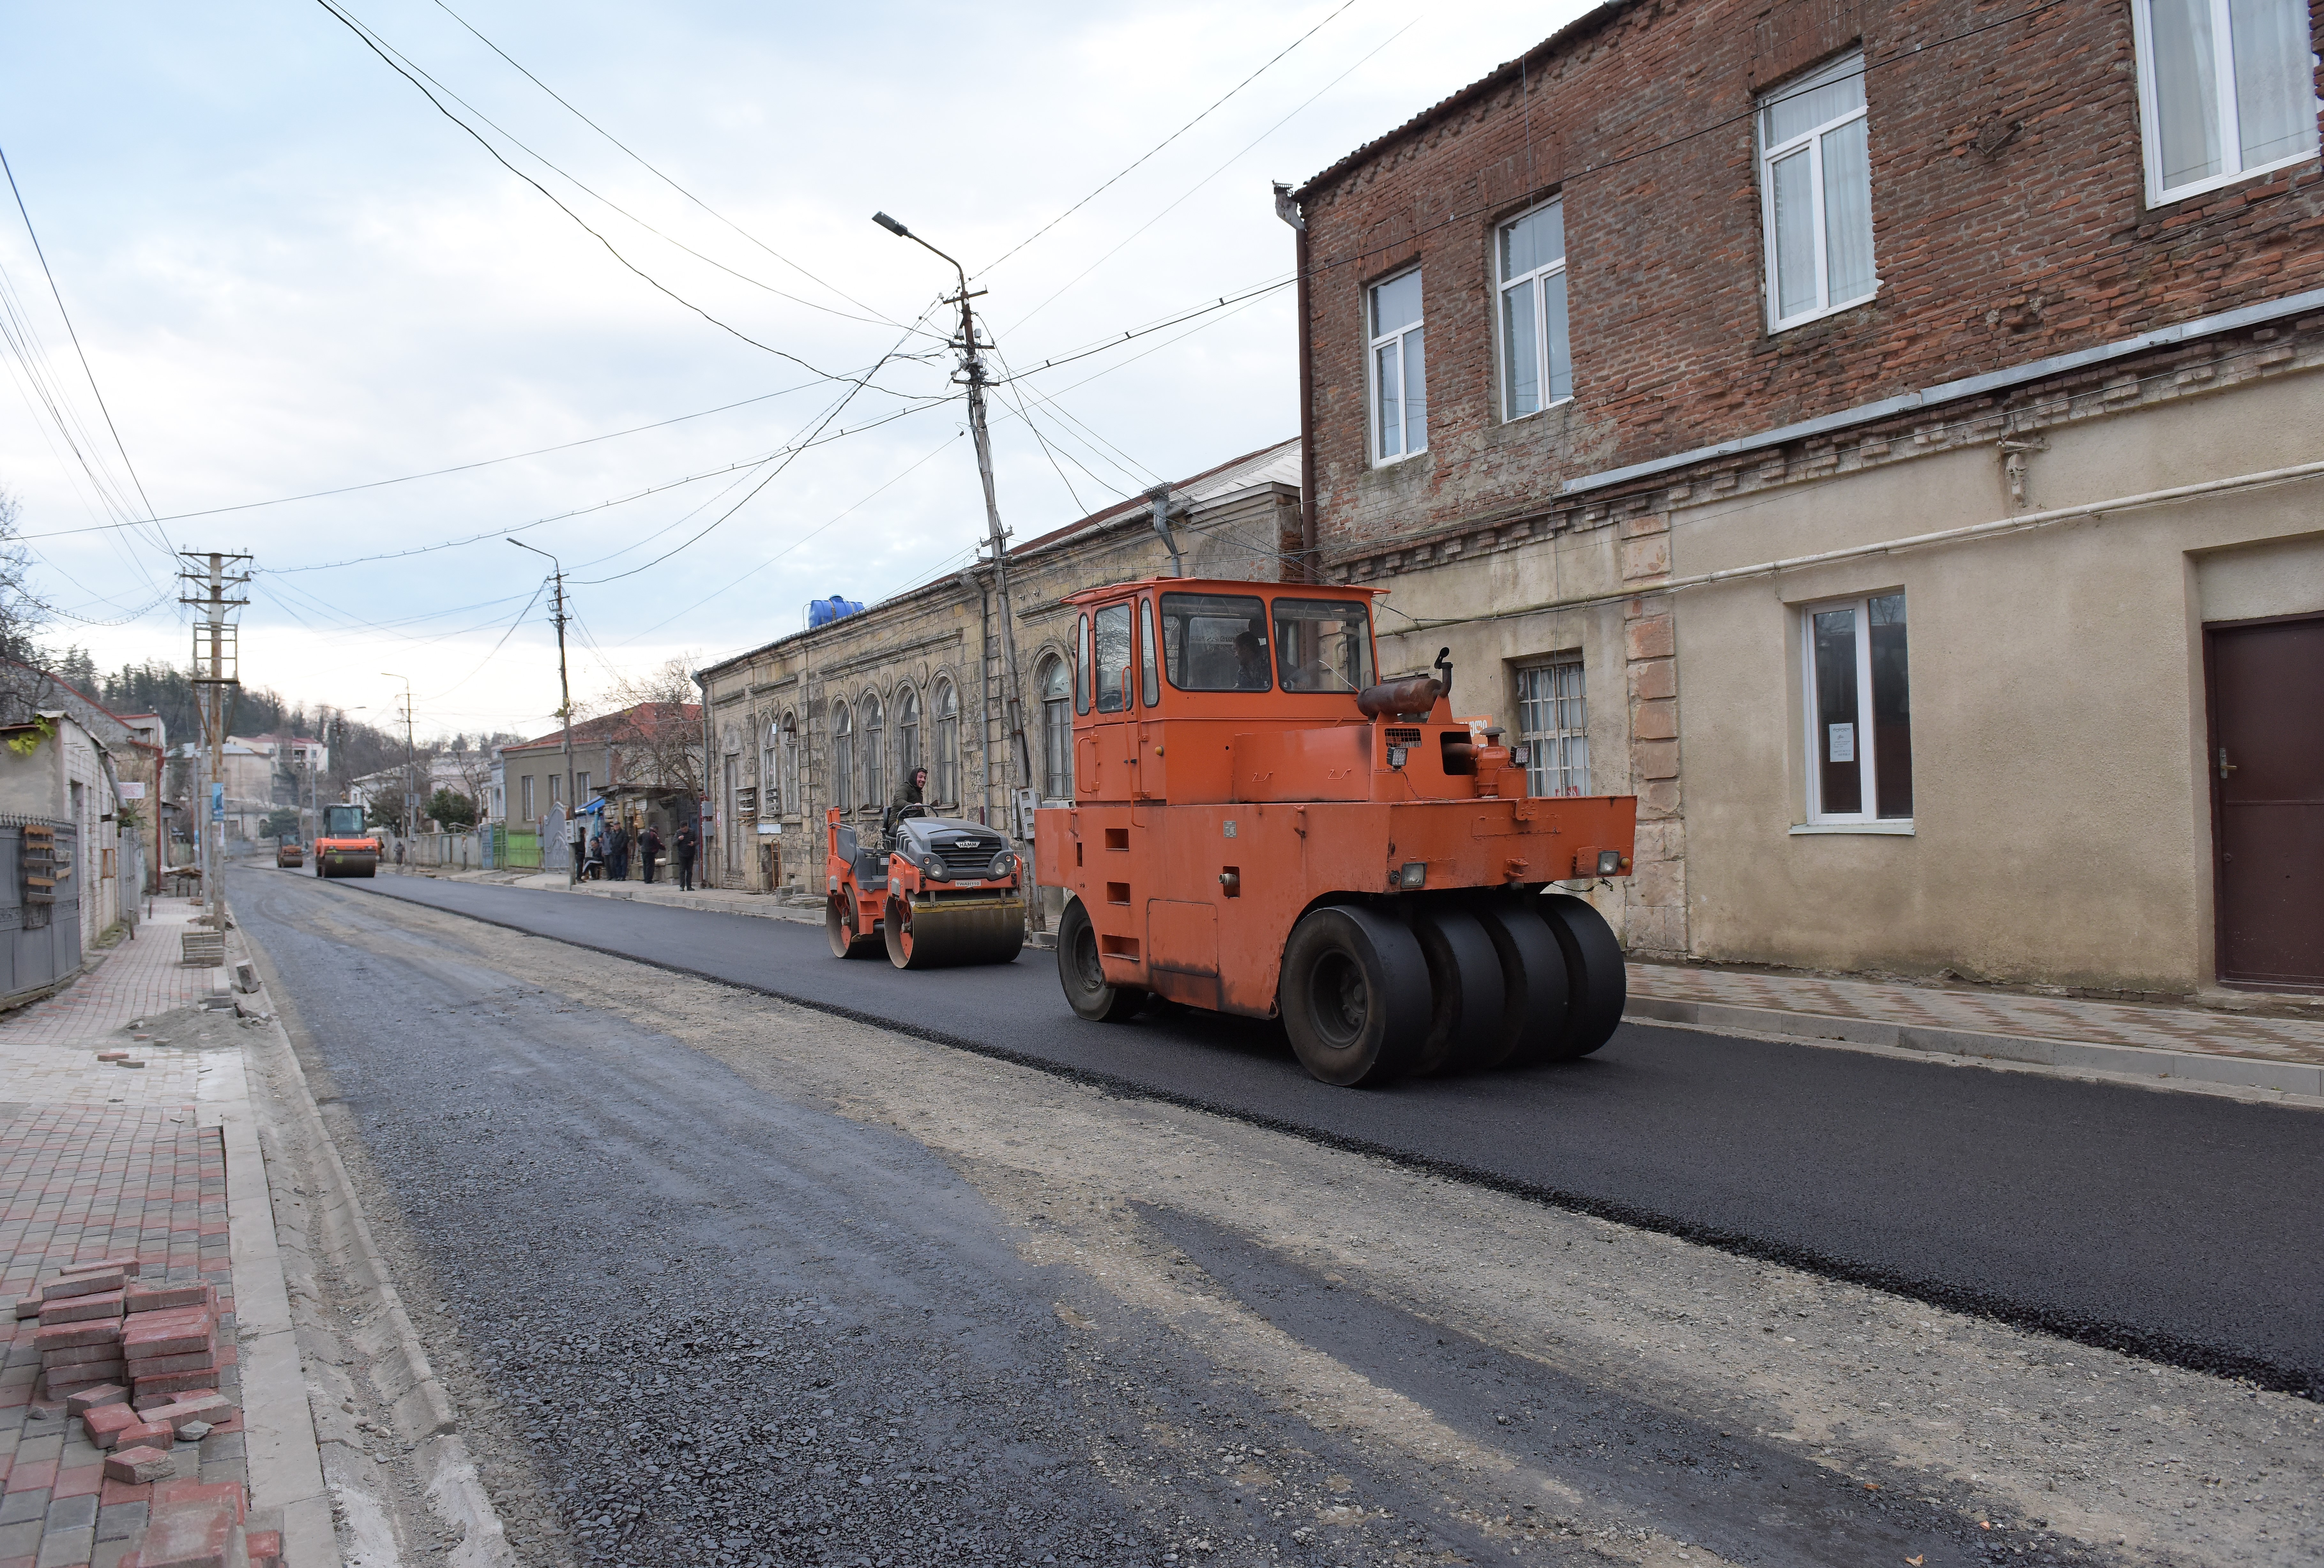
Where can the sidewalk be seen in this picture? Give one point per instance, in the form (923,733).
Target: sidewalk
(2155,1041)
(161,1161)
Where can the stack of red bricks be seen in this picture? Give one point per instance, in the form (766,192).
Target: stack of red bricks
(138,1366)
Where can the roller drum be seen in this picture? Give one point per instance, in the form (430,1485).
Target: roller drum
(936,934)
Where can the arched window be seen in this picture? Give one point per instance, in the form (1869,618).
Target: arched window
(907,733)
(787,763)
(842,753)
(770,774)
(945,781)
(1056,683)
(873,794)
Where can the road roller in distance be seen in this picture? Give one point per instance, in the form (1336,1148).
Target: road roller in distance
(934,893)
(343,848)
(289,855)
(1260,826)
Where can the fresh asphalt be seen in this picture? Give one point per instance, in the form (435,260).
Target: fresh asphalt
(2183,1227)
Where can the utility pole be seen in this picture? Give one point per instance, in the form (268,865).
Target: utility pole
(218,663)
(972,363)
(410,824)
(564,704)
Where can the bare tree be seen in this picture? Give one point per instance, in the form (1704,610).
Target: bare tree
(661,742)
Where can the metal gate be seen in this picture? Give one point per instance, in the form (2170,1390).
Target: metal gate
(40,877)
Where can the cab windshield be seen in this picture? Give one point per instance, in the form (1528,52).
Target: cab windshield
(343,822)
(1214,642)
(1322,645)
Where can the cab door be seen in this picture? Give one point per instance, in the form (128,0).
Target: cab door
(1152,782)
(1104,748)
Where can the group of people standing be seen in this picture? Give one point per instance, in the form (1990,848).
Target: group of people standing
(611,850)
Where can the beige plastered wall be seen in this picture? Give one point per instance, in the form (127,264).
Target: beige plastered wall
(1487,653)
(2061,808)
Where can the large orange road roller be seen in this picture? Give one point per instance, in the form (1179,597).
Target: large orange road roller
(1259,827)
(937,892)
(342,848)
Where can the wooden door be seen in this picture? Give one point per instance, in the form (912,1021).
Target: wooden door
(2266,763)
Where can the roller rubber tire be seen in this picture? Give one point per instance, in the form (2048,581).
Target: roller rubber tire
(1594,974)
(844,941)
(1354,996)
(1534,989)
(1087,991)
(1466,992)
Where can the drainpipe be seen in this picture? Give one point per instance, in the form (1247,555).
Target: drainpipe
(1287,207)
(1159,499)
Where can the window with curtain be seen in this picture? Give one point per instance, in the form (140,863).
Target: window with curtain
(907,734)
(1859,712)
(842,753)
(872,791)
(1400,372)
(945,778)
(772,794)
(1057,687)
(789,742)
(1536,364)
(1815,182)
(2227,90)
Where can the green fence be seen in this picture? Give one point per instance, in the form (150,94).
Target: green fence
(515,849)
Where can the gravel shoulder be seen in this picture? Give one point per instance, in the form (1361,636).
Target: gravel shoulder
(727,1279)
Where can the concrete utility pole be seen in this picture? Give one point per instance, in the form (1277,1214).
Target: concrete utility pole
(564,705)
(410,760)
(1019,766)
(217,663)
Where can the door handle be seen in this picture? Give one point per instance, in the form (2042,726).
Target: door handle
(2225,767)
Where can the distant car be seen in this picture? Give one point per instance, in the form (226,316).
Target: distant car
(289,853)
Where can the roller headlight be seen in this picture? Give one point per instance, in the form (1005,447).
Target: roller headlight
(1003,864)
(932,867)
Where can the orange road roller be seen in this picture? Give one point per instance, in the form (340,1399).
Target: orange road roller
(936,891)
(1260,826)
(342,848)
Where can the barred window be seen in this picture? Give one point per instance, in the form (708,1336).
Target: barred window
(947,778)
(1056,731)
(842,753)
(1554,723)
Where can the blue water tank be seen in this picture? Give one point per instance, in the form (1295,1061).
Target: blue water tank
(823,612)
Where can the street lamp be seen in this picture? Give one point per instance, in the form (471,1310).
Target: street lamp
(564,700)
(411,762)
(972,365)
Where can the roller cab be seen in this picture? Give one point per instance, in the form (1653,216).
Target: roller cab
(1261,826)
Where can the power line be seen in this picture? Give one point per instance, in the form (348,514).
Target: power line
(674,185)
(394,64)
(1166,141)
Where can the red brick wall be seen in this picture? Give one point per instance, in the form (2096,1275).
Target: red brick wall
(2009,224)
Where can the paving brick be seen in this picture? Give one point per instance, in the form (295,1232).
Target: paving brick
(140,1464)
(120,1521)
(28,1306)
(174,1383)
(80,1354)
(66,1548)
(161,1298)
(184,1332)
(265,1547)
(73,1513)
(91,1284)
(203,1361)
(144,1434)
(83,1400)
(19,1506)
(75,1481)
(126,1263)
(108,1423)
(66,1335)
(212,1409)
(82,1308)
(19,1541)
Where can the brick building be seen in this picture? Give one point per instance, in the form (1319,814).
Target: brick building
(842,713)
(1885,438)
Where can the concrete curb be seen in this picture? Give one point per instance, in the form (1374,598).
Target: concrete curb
(2165,1069)
(421,1408)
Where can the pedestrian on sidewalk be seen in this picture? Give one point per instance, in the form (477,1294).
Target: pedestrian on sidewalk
(649,849)
(617,851)
(399,859)
(688,847)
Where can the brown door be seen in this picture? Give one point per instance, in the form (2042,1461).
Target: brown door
(2267,792)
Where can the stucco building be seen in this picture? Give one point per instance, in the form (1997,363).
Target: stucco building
(841,714)
(648,760)
(1883,437)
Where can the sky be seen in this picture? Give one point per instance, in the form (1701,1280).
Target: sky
(289,273)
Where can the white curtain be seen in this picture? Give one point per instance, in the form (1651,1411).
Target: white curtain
(1846,213)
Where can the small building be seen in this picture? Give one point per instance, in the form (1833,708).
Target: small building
(1883,440)
(646,760)
(60,817)
(842,713)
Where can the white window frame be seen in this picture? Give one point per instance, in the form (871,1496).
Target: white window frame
(1868,820)
(1532,280)
(1812,139)
(1371,371)
(2231,141)
(1530,737)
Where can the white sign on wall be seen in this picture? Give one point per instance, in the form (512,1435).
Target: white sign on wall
(134,790)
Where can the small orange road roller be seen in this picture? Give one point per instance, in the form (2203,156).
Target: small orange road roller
(342,848)
(937,892)
(1259,827)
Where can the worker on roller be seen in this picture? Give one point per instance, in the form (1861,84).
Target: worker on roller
(912,791)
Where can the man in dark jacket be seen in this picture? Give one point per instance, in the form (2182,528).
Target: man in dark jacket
(687,847)
(617,853)
(649,849)
(912,791)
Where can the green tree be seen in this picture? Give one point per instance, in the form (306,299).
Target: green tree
(281,822)
(454,809)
